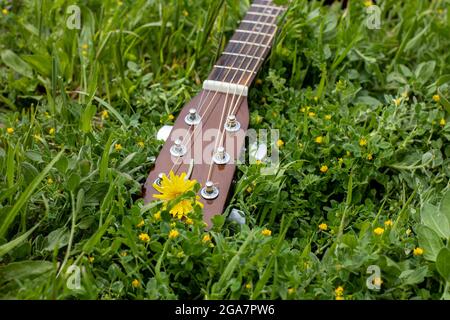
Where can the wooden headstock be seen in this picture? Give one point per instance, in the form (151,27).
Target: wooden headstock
(200,141)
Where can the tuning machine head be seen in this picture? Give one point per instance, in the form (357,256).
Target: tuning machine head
(192,118)
(209,191)
(232,125)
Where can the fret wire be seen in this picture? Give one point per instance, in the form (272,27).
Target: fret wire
(253,32)
(262,23)
(255,5)
(242,55)
(233,68)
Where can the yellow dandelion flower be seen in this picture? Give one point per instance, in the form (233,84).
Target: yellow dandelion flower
(418,251)
(397,101)
(369,157)
(10,130)
(5,11)
(442,122)
(118,147)
(363,142)
(173,186)
(84,46)
(312,114)
(105,114)
(266,232)
(368,3)
(323,226)
(339,291)
(140,224)
(280,143)
(189,221)
(51,131)
(157,216)
(328,117)
(324,169)
(173,234)
(388,223)
(340,298)
(319,140)
(141,144)
(124,253)
(436,98)
(49,181)
(248,286)
(136,283)
(144,237)
(206,238)
(171,117)
(378,231)
(181,209)
(291,291)
(91,259)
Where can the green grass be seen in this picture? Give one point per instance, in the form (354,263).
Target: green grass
(69,196)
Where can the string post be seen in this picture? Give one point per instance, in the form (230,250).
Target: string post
(192,118)
(209,191)
(232,125)
(221,157)
(158,180)
(178,150)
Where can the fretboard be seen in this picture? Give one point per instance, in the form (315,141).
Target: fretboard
(250,44)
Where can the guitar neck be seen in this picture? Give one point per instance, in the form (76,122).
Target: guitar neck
(249,46)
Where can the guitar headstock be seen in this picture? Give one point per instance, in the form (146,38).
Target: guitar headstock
(205,143)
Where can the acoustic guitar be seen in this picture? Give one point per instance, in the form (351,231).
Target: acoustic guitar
(209,133)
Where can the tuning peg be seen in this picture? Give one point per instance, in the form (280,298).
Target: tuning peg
(164,133)
(209,191)
(232,125)
(221,157)
(178,150)
(192,118)
(159,179)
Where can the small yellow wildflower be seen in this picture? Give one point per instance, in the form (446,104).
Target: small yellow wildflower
(259,119)
(388,223)
(189,221)
(249,189)
(324,169)
(302,109)
(340,298)
(368,3)
(348,153)
(266,232)
(91,259)
(173,234)
(316,98)
(436,98)
(378,231)
(180,254)
(136,283)
(206,238)
(157,216)
(418,251)
(442,122)
(291,291)
(140,224)
(171,117)
(85,46)
(118,147)
(173,186)
(328,117)
(141,144)
(258,162)
(10,130)
(51,131)
(124,253)
(339,291)
(120,3)
(248,286)
(144,237)
(105,114)
(49,181)
(323,226)
(377,281)
(363,142)
(369,157)
(340,160)
(319,140)
(5,11)
(397,101)
(408,232)
(312,114)
(185,13)
(280,143)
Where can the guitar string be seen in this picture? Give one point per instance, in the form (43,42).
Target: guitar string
(234,108)
(216,92)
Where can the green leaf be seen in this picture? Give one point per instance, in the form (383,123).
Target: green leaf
(24,269)
(4,249)
(86,118)
(430,242)
(443,263)
(444,206)
(424,71)
(434,219)
(57,239)
(26,195)
(415,276)
(73,182)
(13,61)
